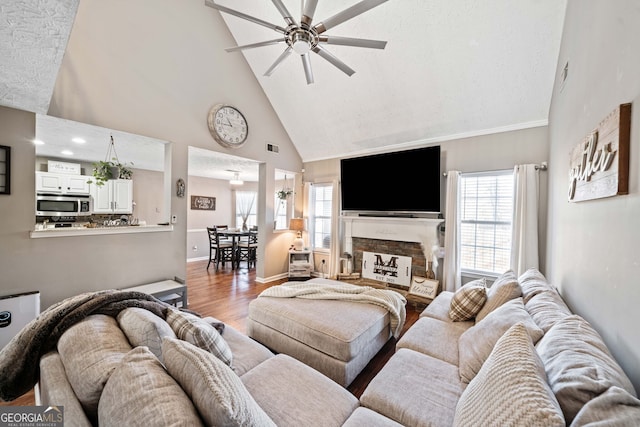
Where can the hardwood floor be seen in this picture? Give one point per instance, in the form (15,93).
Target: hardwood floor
(226,294)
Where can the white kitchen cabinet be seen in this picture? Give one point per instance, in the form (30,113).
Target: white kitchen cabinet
(47,182)
(115,196)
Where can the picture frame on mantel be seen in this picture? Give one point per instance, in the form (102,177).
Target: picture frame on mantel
(423,287)
(5,169)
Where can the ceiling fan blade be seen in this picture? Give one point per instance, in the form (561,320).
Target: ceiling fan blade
(308,10)
(306,63)
(332,59)
(225,9)
(253,45)
(347,14)
(284,12)
(281,58)
(350,41)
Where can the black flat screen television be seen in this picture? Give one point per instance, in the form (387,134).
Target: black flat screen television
(399,182)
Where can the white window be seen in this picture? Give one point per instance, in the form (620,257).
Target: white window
(486,201)
(246,206)
(320,223)
(282,207)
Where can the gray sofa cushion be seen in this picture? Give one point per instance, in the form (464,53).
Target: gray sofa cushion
(614,407)
(90,351)
(439,309)
(433,337)
(363,417)
(214,388)
(510,389)
(247,353)
(293,394)
(143,328)
(579,365)
(56,390)
(504,289)
(475,344)
(532,282)
(546,308)
(141,392)
(414,389)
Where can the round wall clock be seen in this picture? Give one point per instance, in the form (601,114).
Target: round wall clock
(227,126)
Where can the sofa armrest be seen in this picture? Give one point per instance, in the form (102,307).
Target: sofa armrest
(55,390)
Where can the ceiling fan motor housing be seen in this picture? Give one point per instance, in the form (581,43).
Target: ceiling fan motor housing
(302,39)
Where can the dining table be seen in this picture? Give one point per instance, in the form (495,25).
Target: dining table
(235,236)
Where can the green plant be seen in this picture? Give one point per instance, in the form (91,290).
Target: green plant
(283,194)
(103,171)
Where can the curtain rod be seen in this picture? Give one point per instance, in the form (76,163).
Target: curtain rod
(541,167)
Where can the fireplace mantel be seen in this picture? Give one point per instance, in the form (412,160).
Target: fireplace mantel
(420,230)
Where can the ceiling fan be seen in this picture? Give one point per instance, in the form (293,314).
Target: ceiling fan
(304,38)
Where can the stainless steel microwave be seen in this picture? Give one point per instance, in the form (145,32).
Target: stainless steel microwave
(61,205)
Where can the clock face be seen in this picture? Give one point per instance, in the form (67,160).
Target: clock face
(228,126)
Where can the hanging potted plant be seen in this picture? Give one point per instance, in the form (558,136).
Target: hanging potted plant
(110,169)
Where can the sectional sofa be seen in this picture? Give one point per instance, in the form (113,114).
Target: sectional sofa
(520,358)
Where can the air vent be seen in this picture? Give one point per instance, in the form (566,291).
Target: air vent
(273,148)
(563,75)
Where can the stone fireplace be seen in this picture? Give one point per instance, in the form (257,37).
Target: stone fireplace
(390,235)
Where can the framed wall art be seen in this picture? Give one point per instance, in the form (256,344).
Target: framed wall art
(5,169)
(203,203)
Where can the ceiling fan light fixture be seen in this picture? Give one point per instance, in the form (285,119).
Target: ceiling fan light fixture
(301,42)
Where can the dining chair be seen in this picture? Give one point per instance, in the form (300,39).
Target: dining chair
(247,249)
(219,251)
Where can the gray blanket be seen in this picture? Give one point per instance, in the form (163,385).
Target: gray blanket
(20,358)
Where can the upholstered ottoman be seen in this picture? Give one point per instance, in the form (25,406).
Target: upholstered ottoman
(337,338)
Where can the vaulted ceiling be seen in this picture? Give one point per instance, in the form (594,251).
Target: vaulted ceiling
(450,69)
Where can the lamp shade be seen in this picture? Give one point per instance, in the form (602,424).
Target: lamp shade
(297,224)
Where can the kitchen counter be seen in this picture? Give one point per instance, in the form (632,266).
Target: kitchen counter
(83,231)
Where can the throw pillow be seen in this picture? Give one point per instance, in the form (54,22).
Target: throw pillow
(141,392)
(579,364)
(505,288)
(143,328)
(200,333)
(217,392)
(510,389)
(477,342)
(468,300)
(90,351)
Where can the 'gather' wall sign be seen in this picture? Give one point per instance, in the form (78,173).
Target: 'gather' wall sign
(599,165)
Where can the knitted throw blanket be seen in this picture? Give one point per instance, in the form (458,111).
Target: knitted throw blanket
(20,358)
(335,290)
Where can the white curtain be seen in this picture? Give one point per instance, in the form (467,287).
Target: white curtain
(244,202)
(336,235)
(451,266)
(524,243)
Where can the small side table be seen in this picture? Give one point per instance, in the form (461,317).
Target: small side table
(300,265)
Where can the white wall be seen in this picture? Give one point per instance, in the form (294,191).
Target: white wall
(593,255)
(154,68)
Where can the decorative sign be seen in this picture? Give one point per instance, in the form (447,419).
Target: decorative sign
(203,203)
(63,167)
(423,287)
(394,269)
(599,165)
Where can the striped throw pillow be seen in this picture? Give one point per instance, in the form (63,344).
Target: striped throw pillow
(467,302)
(200,333)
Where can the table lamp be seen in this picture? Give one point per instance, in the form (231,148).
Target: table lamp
(297,224)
